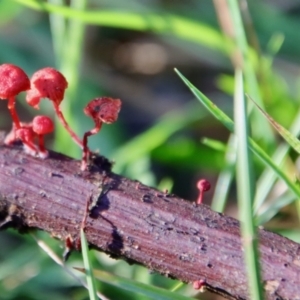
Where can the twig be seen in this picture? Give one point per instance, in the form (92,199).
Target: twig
(140,224)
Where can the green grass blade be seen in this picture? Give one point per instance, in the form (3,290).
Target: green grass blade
(290,138)
(88,268)
(58,260)
(267,179)
(275,44)
(58,33)
(292,234)
(227,122)
(249,70)
(158,23)
(150,291)
(70,62)
(269,210)
(214,144)
(225,177)
(155,136)
(245,191)
(210,106)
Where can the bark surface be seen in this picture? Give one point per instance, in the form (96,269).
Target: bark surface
(140,224)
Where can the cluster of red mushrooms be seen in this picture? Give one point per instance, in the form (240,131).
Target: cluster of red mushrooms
(48,83)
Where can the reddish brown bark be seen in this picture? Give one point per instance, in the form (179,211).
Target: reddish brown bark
(140,224)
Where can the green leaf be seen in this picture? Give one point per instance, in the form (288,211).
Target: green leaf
(225,177)
(291,139)
(245,190)
(8,11)
(270,209)
(87,265)
(227,122)
(159,23)
(155,136)
(150,291)
(214,144)
(267,179)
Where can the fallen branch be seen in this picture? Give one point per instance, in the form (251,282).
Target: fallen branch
(131,221)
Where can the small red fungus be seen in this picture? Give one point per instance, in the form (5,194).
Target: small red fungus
(42,125)
(26,135)
(203,185)
(199,285)
(13,81)
(50,83)
(101,110)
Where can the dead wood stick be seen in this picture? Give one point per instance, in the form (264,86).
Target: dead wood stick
(140,224)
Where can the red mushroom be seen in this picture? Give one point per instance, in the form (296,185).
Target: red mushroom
(199,285)
(42,125)
(51,84)
(26,135)
(101,110)
(13,81)
(203,185)
(13,137)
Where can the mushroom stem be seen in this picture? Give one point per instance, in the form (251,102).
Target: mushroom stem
(86,150)
(43,153)
(203,186)
(63,121)
(200,197)
(42,125)
(30,148)
(13,113)
(41,142)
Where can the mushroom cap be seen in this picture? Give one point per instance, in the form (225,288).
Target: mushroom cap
(42,125)
(105,109)
(203,185)
(33,98)
(46,83)
(13,80)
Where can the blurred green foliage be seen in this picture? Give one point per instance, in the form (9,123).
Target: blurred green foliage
(128,50)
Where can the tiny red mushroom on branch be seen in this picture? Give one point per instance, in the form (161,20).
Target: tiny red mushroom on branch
(199,285)
(13,80)
(42,125)
(51,84)
(28,132)
(101,110)
(26,135)
(203,185)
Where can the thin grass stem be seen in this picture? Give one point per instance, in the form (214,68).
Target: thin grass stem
(245,189)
